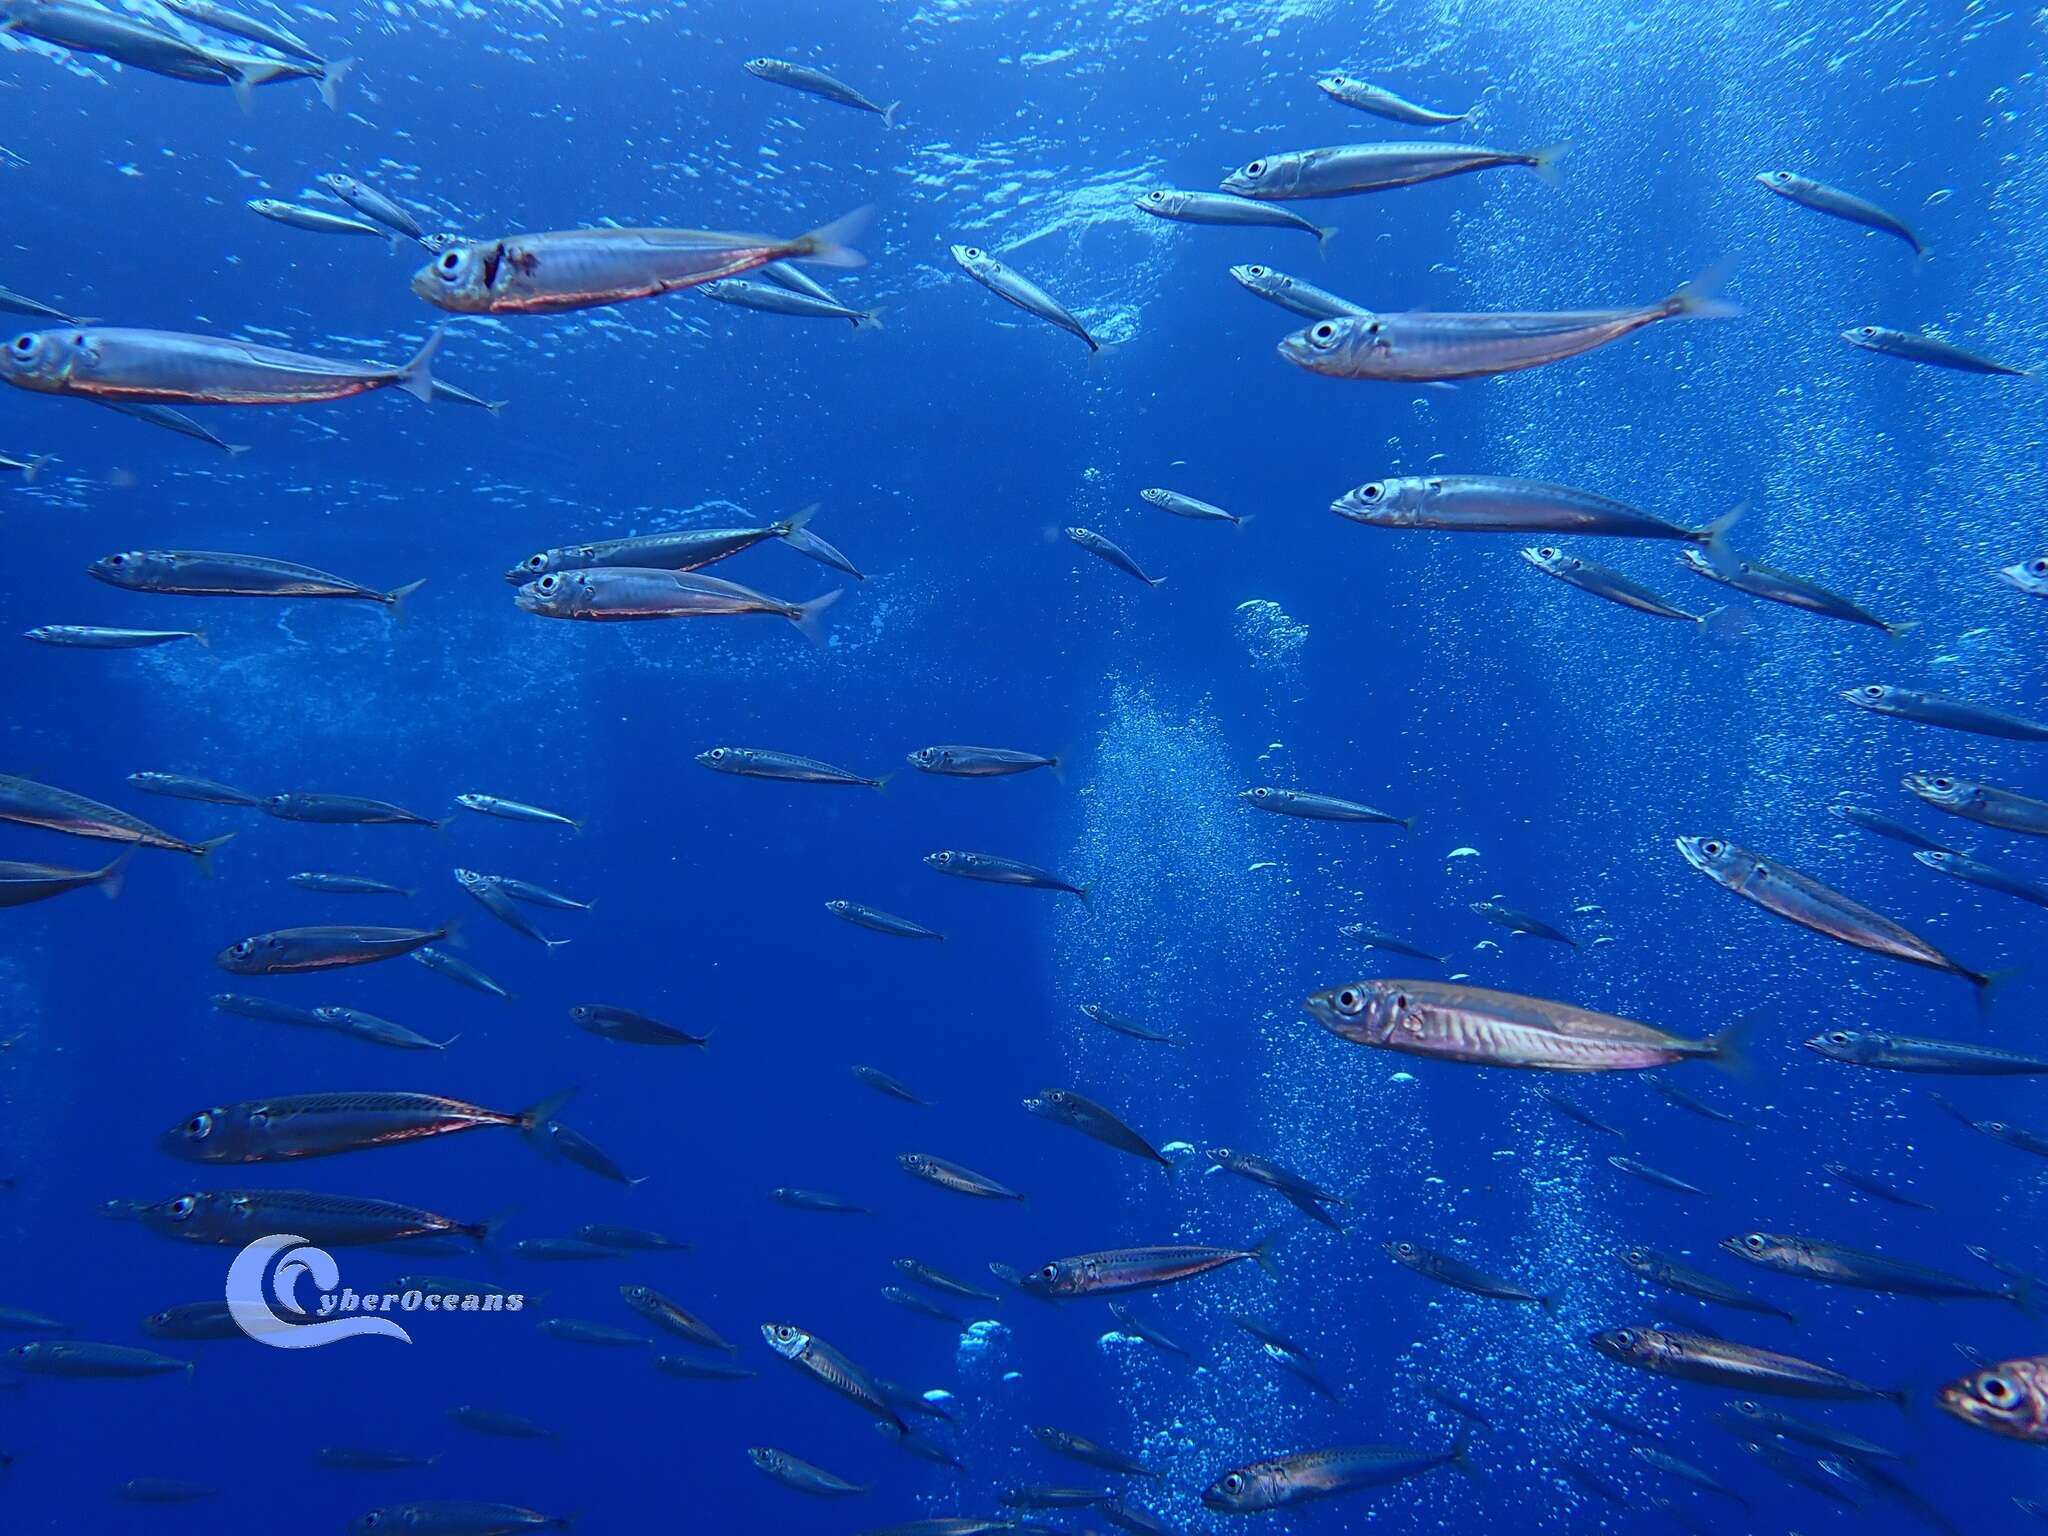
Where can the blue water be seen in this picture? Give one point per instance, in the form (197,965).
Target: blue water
(1549,745)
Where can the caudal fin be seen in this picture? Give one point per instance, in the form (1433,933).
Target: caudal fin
(534,1119)
(1901,630)
(889,114)
(109,878)
(1695,300)
(1324,235)
(809,617)
(1729,1050)
(1262,1253)
(205,853)
(34,467)
(831,245)
(416,378)
(1988,984)
(330,82)
(1459,1458)
(395,601)
(1713,540)
(798,522)
(1544,161)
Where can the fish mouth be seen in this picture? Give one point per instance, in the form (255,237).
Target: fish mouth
(1689,850)
(1855,696)
(1534,556)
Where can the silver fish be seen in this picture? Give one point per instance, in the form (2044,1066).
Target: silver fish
(232,1218)
(610,1023)
(1604,581)
(1990,876)
(207,573)
(88,637)
(1838,204)
(968,762)
(2028,576)
(1502,504)
(1310,807)
(177,368)
(1189,507)
(1931,350)
(956,1177)
(1908,1053)
(815,82)
(682,549)
(998,870)
(1222,208)
(176,421)
(2005,809)
(320,948)
(1775,586)
(1291,293)
(610,595)
(1286,1480)
(1020,291)
(314,220)
(773,299)
(83,28)
(21,884)
(58,810)
(1343,170)
(491,895)
(344,811)
(1382,102)
(372,205)
(878,921)
(1113,553)
(1718,1362)
(344,885)
(795,1472)
(761,763)
(514,810)
(1951,714)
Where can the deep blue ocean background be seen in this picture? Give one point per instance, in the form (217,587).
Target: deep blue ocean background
(1566,742)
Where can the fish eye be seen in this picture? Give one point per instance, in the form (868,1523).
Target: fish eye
(974,252)
(1944,783)
(182,1207)
(1634,1256)
(1261,792)
(1995,1126)
(717,754)
(1839,1037)
(1625,1337)
(1401,1000)
(1547,552)
(1324,331)
(1754,1242)
(1781,175)
(785,1332)
(1256,271)
(536,562)
(2039,567)
(1234,1483)
(200,1126)
(1711,849)
(1256,168)
(548,583)
(1160,197)
(243,947)
(1350,1000)
(1873,692)
(1404,1248)
(1050,1272)
(25,343)
(1372,492)
(117,559)
(1998,1391)
(1868,330)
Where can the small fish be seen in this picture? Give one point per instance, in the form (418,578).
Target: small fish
(953,1176)
(1572,1110)
(163,1490)
(924,1274)
(1064,1442)
(1756,1418)
(1502,504)
(1839,1265)
(1373,938)
(638,1239)
(1905,1053)
(613,594)
(318,221)
(1976,872)
(1838,204)
(1986,804)
(265,1009)
(1637,1169)
(344,811)
(575,1331)
(1714,1362)
(344,885)
(795,1472)
(1286,1480)
(1128,1322)
(204,573)
(1112,553)
(176,368)
(514,810)
(820,1361)
(349,1458)
(770,298)
(1344,170)
(1678,1467)
(689,1366)
(1952,714)
(1882,826)
(1042,1496)
(293,1126)
(1445,1270)
(1188,507)
(683,549)
(79,1358)
(815,1200)
(20,1320)
(1137,1269)
(997,870)
(1998,1130)
(883,1083)
(563,1250)
(58,810)
(1017,289)
(174,421)
(555,1139)
(923,1447)
(760,763)
(1308,807)
(321,948)
(232,1217)
(17,304)
(1606,582)
(2009,1399)
(1276,1346)
(493,1421)
(1384,103)
(195,1322)
(1662,1269)
(622,1024)
(1875,1188)
(1301,1193)
(965,762)
(1227,209)
(1091,1119)
(1593,1483)
(540,895)
(910,1301)
(88,637)
(457,969)
(373,205)
(878,921)
(21,884)
(815,82)
(1118,1024)
(1504,916)
(487,891)
(1931,350)
(1803,900)
(808,543)
(1292,294)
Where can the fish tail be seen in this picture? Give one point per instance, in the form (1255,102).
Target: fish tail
(109,879)
(1262,1253)
(1988,983)
(2022,1296)
(1900,631)
(485,1233)
(245,93)
(889,114)
(808,617)
(830,245)
(34,467)
(1155,581)
(1729,1050)
(416,378)
(1695,300)
(1901,1400)
(204,643)
(442,1045)
(330,82)
(555,944)
(1544,161)
(882,783)
(1791,1318)
(395,598)
(1459,1458)
(797,521)
(867,319)
(235,450)
(1325,233)
(205,853)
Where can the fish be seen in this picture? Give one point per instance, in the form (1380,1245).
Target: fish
(1226,209)
(1662,1269)
(493,1421)
(1454,1022)
(948,1175)
(1420,346)
(344,810)
(923,1447)
(1373,938)
(557,1140)
(1293,294)
(680,549)
(1756,1418)
(616,593)
(1838,1265)
(874,919)
(1503,504)
(564,270)
(1875,1188)
(1064,1442)
(1188,507)
(795,279)
(815,82)
(195,1322)
(996,870)
(1801,899)
(1592,1482)
(344,885)
(451,1285)
(2029,576)
(29,470)
(1116,1270)
(622,1024)
(349,1458)
(814,1200)
(317,221)
(1605,581)
(1882,826)
(2009,1399)
(18,1320)
(321,948)
(294,1126)
(1312,807)
(1977,872)
(1677,1466)
(1986,804)
(174,421)
(809,544)
(1931,350)
(700,1370)
(795,1472)
(820,1361)
(1015,288)
(1573,1110)
(1837,204)
(1091,1119)
(1999,1130)
(1906,1053)
(19,304)
(1344,170)
(21,884)
(1114,554)
(883,1083)
(205,573)
(1522,922)
(540,895)
(486,890)
(456,1517)
(30,804)
(1276,1346)
(1635,1168)
(1457,1274)
(264,1009)
(967,762)
(178,368)
(1796,1467)
(563,1250)
(761,763)
(93,637)
(1952,714)
(639,1239)
(937,1280)
(1134,1326)
(770,298)
(1118,1024)
(455,968)
(81,1358)
(1285,1480)
(1040,1496)
(235,1217)
(1382,102)
(576,1331)
(910,1301)
(1304,1195)
(373,205)
(82,28)
(515,810)
(358,1025)
(1716,1362)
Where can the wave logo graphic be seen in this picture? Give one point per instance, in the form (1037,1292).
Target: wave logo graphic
(262,1296)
